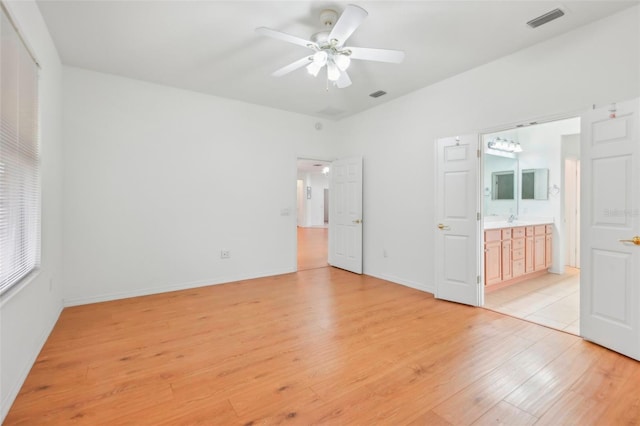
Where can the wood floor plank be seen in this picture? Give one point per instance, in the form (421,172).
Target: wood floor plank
(537,394)
(602,387)
(506,414)
(322,346)
(312,248)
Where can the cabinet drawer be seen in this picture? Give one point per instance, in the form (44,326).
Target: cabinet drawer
(549,229)
(540,229)
(518,254)
(518,232)
(518,243)
(529,231)
(518,268)
(506,234)
(492,235)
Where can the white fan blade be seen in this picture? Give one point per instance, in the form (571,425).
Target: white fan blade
(286,37)
(350,19)
(343,81)
(380,55)
(293,66)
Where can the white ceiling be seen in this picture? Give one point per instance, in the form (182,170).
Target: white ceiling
(312,166)
(212,47)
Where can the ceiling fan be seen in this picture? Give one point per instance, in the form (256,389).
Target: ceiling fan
(329,46)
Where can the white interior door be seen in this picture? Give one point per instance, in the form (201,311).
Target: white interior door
(457,260)
(610,206)
(345,215)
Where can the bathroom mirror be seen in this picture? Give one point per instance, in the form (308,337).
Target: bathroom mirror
(500,185)
(535,184)
(503,185)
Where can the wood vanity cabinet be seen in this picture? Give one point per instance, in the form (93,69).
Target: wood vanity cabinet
(539,246)
(548,253)
(492,257)
(514,254)
(528,250)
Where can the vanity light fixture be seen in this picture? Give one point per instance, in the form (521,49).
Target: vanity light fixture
(505,145)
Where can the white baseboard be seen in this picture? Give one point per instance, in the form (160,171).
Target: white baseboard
(106,297)
(7,400)
(406,283)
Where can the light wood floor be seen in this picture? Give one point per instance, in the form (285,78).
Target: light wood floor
(312,248)
(322,346)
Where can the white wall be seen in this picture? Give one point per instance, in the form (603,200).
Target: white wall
(28,313)
(156,186)
(594,64)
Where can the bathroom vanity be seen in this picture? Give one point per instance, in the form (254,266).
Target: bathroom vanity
(515,252)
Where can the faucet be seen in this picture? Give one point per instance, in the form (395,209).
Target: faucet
(511,219)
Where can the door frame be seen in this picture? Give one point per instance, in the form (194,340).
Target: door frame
(503,128)
(294,223)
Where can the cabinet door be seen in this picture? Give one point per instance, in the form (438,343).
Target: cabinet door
(492,260)
(507,272)
(528,255)
(539,258)
(548,251)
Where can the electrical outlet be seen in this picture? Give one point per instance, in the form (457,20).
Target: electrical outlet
(384,253)
(225,254)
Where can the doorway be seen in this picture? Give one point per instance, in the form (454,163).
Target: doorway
(312,213)
(531,223)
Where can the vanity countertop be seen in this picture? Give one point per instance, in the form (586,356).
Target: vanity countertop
(519,222)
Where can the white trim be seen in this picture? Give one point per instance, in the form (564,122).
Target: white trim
(10,396)
(16,288)
(407,283)
(172,287)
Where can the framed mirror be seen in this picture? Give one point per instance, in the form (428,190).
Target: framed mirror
(535,184)
(503,200)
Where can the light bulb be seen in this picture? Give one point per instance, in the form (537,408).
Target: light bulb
(314,68)
(518,147)
(342,61)
(333,73)
(320,58)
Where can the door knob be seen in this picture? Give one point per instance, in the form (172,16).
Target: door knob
(357,221)
(635,240)
(443,227)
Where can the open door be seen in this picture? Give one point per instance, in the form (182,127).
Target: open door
(345,217)
(456,249)
(610,228)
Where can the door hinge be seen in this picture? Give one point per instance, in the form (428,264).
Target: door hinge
(478,279)
(478,153)
(478,216)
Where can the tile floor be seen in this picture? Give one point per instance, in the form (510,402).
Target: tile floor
(552,300)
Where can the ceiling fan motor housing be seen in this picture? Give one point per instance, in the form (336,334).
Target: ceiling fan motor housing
(328,17)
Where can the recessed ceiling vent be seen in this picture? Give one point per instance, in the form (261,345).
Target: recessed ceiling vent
(377,94)
(547,17)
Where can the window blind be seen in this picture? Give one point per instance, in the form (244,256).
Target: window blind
(19,159)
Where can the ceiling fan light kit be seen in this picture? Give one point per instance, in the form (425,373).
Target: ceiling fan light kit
(330,51)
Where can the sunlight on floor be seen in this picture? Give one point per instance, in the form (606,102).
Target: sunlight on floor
(552,300)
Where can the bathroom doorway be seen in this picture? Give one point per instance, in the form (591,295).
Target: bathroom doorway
(531,223)
(312,213)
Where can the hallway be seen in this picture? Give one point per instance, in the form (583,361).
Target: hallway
(312,248)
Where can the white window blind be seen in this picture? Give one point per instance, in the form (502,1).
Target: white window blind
(19,159)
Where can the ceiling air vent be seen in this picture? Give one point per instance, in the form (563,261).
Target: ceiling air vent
(377,94)
(547,17)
